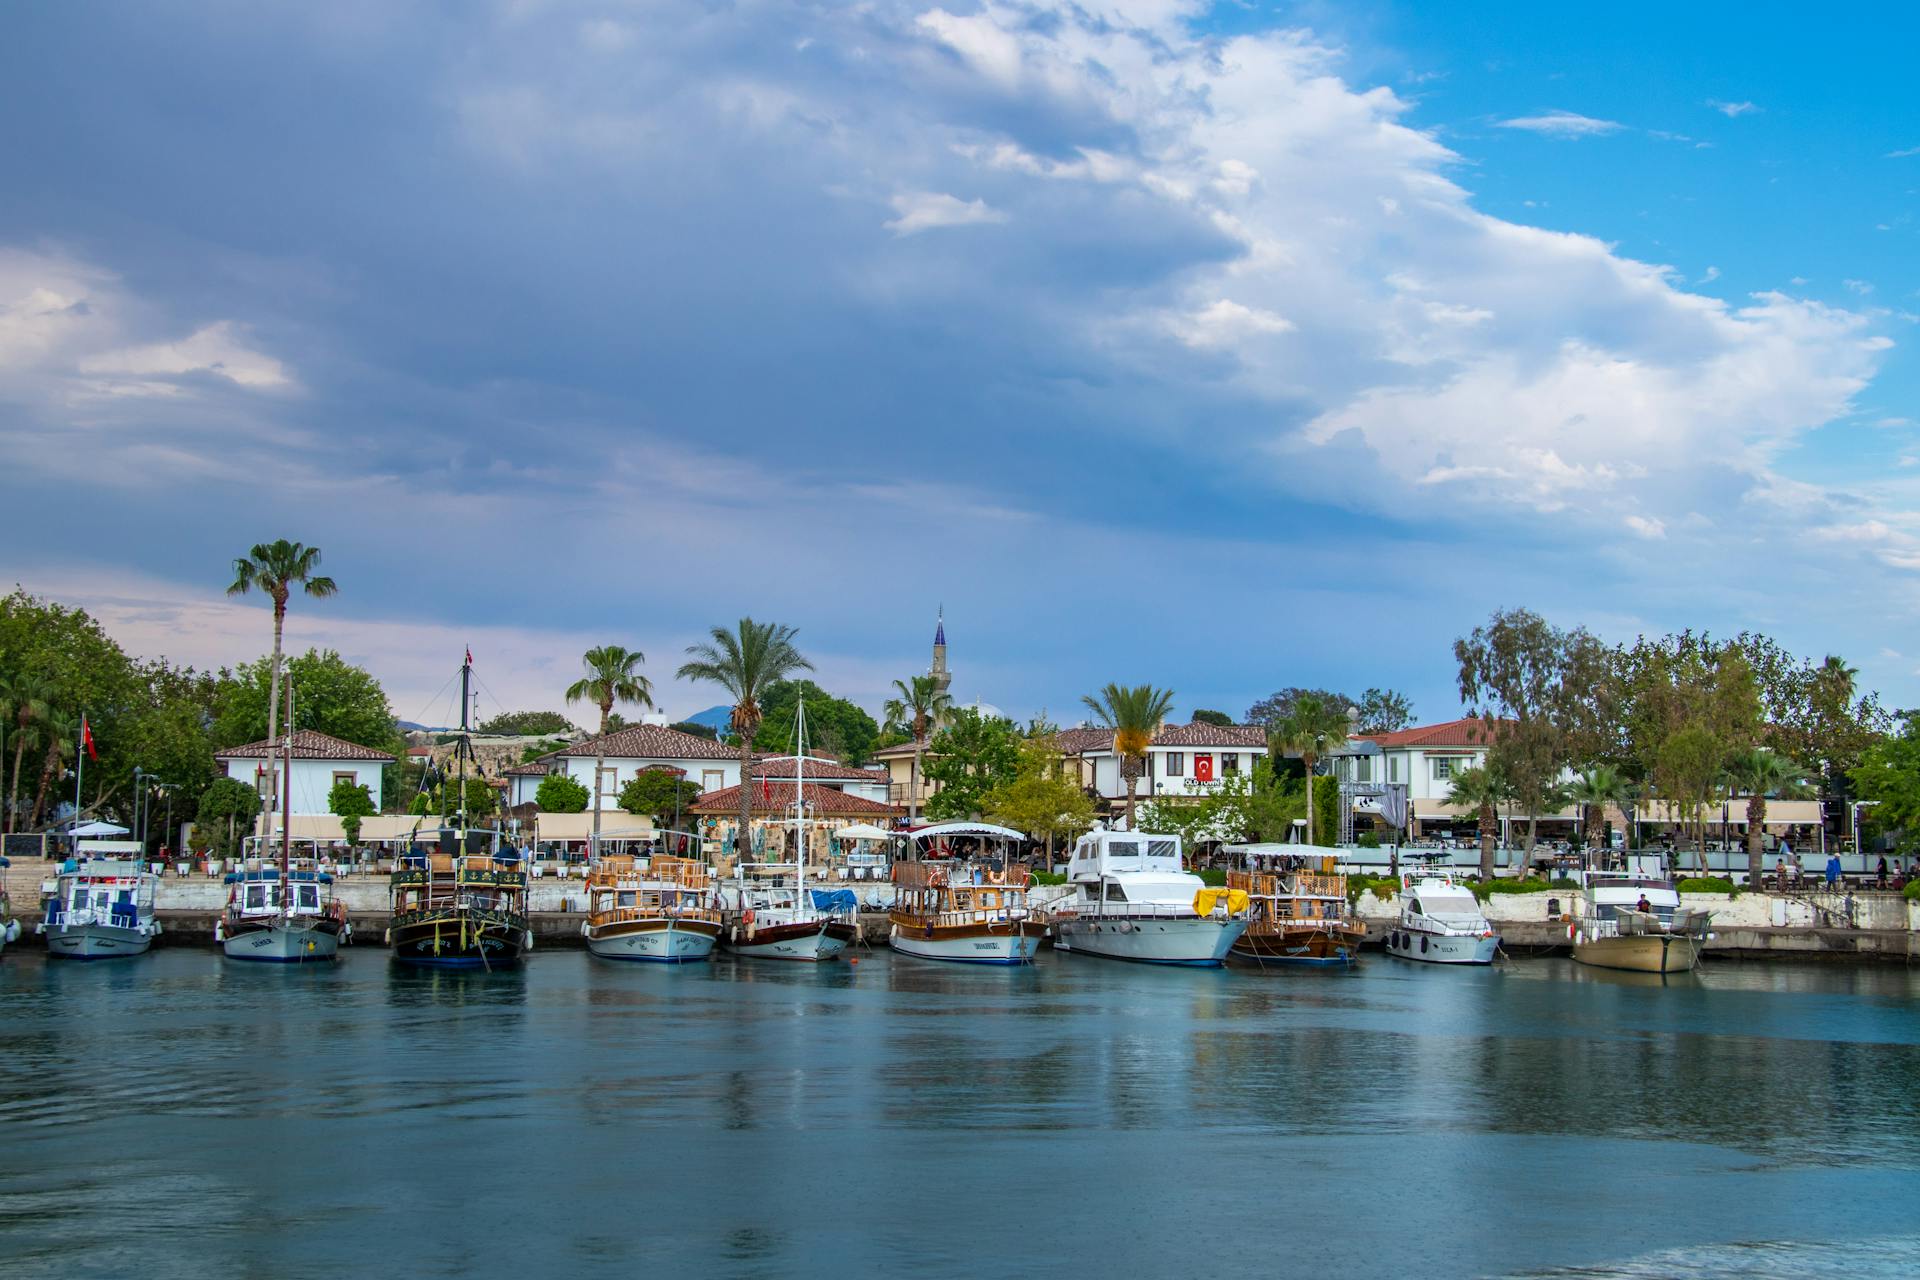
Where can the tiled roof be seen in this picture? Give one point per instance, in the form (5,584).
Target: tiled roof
(783,767)
(777,797)
(1469,732)
(651,742)
(1186,736)
(531,769)
(898,751)
(308,744)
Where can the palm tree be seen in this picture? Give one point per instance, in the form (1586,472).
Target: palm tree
(62,729)
(276,568)
(28,698)
(921,705)
(1307,729)
(1134,713)
(613,675)
(745,663)
(1759,772)
(1593,791)
(1477,787)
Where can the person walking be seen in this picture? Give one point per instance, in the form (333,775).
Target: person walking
(1833,870)
(1882,878)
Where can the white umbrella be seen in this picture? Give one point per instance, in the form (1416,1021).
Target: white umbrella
(862,831)
(97,829)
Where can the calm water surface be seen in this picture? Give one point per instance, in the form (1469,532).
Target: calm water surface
(180,1115)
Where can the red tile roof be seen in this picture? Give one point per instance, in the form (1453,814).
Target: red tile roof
(784,767)
(777,797)
(1468,732)
(308,744)
(1186,736)
(651,742)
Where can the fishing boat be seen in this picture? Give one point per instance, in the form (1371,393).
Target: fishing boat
(1133,900)
(459,895)
(285,917)
(774,915)
(663,911)
(963,898)
(1440,920)
(102,905)
(1628,916)
(1297,908)
(9,927)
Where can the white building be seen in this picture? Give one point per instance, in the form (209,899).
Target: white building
(1183,759)
(319,761)
(1425,757)
(713,765)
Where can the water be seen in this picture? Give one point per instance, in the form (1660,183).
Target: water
(180,1115)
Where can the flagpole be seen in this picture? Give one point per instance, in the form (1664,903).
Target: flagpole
(79,767)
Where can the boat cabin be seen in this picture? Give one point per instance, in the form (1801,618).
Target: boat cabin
(259,891)
(621,888)
(938,894)
(113,891)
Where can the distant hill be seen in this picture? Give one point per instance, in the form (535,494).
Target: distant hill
(715,718)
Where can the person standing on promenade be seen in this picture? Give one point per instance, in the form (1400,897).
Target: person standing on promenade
(1833,870)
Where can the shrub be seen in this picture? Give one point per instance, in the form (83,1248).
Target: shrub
(1368,840)
(1048,877)
(1382,887)
(560,794)
(1912,891)
(1707,884)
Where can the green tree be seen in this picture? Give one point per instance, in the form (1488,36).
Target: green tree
(352,802)
(558,793)
(528,723)
(1219,718)
(1134,713)
(1039,799)
(276,569)
(1593,790)
(746,663)
(1760,773)
(443,801)
(1323,819)
(1279,706)
(331,695)
(918,706)
(27,698)
(534,750)
(225,815)
(86,672)
(658,793)
(692,729)
(612,675)
(1384,711)
(1310,729)
(835,726)
(1889,775)
(1479,788)
(972,754)
(1690,705)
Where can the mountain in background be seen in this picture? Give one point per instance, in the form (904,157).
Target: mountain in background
(715,718)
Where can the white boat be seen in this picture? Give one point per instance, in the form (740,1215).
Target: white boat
(1629,917)
(963,898)
(281,918)
(774,915)
(663,912)
(1440,920)
(1132,900)
(100,908)
(9,927)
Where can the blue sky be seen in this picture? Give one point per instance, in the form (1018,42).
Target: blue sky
(1226,348)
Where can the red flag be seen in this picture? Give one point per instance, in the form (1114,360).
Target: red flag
(766,792)
(1203,767)
(469,655)
(86,735)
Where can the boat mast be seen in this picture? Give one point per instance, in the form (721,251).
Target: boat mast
(800,799)
(286,809)
(466,745)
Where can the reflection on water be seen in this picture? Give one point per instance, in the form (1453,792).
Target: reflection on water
(1766,1260)
(748,1118)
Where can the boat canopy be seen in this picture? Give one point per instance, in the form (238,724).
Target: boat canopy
(263,874)
(834,900)
(863,831)
(940,830)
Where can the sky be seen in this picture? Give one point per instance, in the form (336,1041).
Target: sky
(1220,347)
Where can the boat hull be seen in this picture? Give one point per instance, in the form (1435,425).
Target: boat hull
(449,941)
(655,941)
(1197,942)
(282,943)
(95,941)
(812,940)
(1639,953)
(974,944)
(1437,948)
(1300,948)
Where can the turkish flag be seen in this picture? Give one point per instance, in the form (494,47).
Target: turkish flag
(86,733)
(1203,768)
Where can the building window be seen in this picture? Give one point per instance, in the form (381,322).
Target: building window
(1176,763)
(1393,768)
(712,779)
(1363,769)
(1442,770)
(344,775)
(1229,762)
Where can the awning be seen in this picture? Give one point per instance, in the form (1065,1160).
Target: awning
(863,831)
(97,829)
(941,830)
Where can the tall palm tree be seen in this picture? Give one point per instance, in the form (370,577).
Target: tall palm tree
(29,700)
(1134,713)
(1758,773)
(745,663)
(1479,788)
(920,707)
(1593,791)
(1308,729)
(276,568)
(62,728)
(613,675)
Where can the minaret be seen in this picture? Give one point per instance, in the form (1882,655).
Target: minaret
(941,678)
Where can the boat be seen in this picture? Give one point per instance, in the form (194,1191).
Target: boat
(1298,914)
(459,897)
(663,911)
(1628,916)
(9,927)
(285,917)
(1132,900)
(967,902)
(101,906)
(1440,920)
(775,916)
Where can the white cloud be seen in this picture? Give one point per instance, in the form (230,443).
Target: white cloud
(1903,153)
(1224,321)
(1562,124)
(1651,527)
(926,210)
(1711,274)
(216,349)
(1732,110)
(1860,287)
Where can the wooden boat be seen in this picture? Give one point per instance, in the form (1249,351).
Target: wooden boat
(286,919)
(1629,917)
(662,912)
(1298,913)
(971,908)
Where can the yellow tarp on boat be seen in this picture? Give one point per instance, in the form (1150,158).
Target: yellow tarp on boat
(1205,901)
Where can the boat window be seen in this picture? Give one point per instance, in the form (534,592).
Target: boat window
(1123,848)
(309,895)
(1414,906)
(1163,848)
(625,898)
(256,896)
(988,898)
(1115,893)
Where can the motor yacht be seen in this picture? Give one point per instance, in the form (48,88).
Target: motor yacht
(1628,916)
(1440,920)
(1134,900)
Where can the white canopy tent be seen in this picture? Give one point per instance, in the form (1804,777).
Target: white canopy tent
(863,831)
(90,830)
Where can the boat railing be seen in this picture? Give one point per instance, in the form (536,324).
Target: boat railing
(625,915)
(1125,910)
(955,919)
